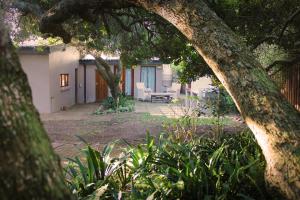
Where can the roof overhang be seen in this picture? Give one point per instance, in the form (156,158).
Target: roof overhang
(151,62)
(40,50)
(92,61)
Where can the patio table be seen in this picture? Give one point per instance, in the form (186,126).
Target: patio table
(161,97)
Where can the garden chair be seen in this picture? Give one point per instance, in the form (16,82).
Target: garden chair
(142,92)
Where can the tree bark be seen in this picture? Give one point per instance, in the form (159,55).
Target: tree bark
(274,122)
(29,167)
(115,91)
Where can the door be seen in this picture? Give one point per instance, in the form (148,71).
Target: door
(101,87)
(148,76)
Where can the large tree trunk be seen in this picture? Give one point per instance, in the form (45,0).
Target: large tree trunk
(29,168)
(275,123)
(115,91)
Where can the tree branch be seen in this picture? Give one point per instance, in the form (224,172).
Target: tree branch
(268,38)
(51,22)
(106,26)
(280,36)
(103,72)
(119,70)
(107,68)
(289,20)
(28,8)
(283,63)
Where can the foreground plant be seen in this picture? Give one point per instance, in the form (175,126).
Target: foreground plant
(202,168)
(92,174)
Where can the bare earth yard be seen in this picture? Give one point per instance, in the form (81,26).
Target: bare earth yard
(64,127)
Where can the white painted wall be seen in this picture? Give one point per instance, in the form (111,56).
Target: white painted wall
(36,68)
(90,83)
(201,84)
(167,76)
(167,73)
(159,79)
(80,84)
(62,62)
(137,78)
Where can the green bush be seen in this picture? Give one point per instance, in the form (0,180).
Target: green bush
(201,168)
(220,102)
(110,105)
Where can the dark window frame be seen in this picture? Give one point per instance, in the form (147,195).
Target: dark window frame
(64,80)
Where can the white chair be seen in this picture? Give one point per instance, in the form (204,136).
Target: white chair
(174,90)
(143,93)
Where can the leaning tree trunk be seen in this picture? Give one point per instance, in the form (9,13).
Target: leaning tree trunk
(112,79)
(275,123)
(114,90)
(115,87)
(29,167)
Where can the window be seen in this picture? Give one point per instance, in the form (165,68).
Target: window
(64,80)
(148,76)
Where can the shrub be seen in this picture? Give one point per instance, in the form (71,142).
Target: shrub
(110,105)
(201,168)
(220,102)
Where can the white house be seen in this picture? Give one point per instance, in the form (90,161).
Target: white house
(51,75)
(60,79)
(153,73)
(199,86)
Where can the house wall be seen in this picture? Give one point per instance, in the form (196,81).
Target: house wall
(137,78)
(163,77)
(80,84)
(90,83)
(167,76)
(200,84)
(62,62)
(159,79)
(36,68)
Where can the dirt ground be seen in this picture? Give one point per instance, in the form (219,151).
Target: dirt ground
(64,127)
